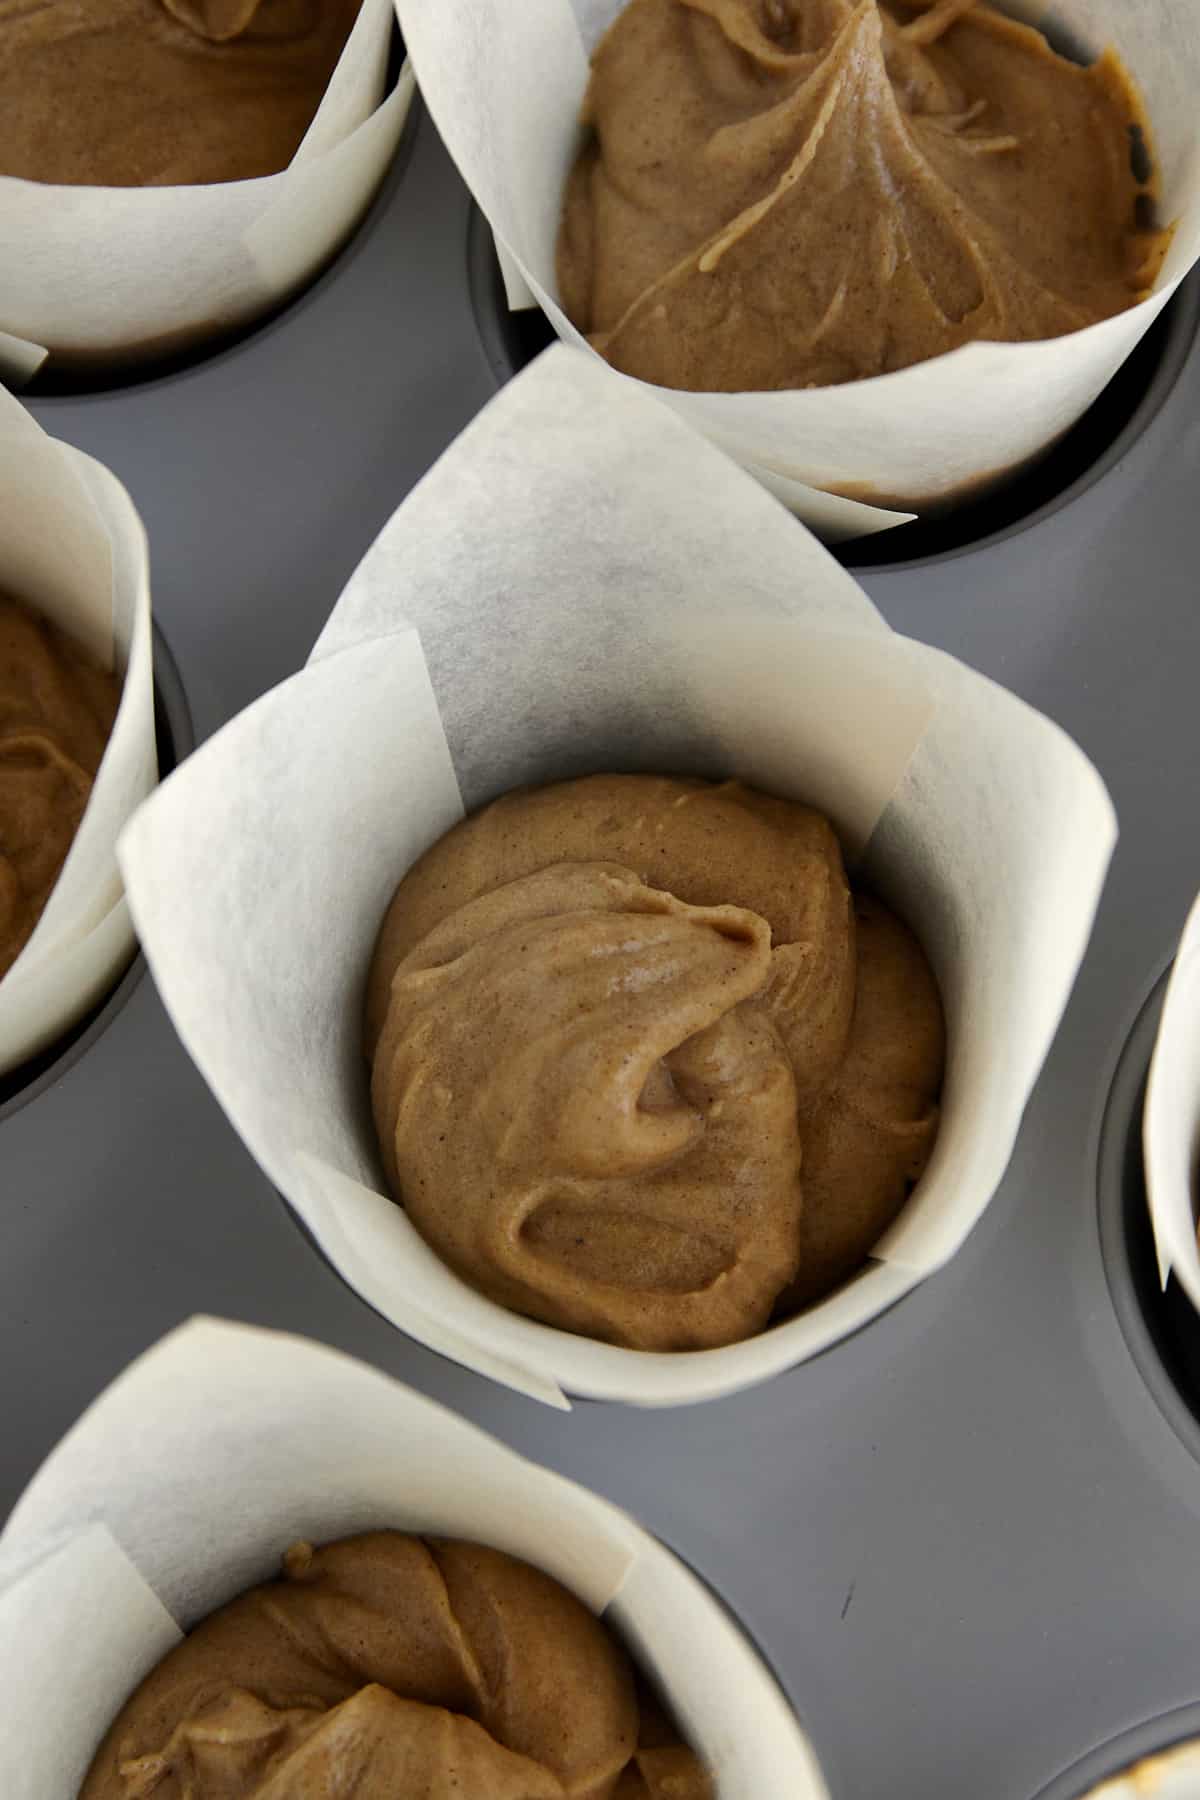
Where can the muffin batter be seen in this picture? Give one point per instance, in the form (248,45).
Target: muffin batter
(56,712)
(392,1665)
(793,193)
(144,93)
(639,1070)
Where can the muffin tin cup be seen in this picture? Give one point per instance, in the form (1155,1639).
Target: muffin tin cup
(864,456)
(190,1476)
(1156,1311)
(1159,1760)
(72,547)
(97,276)
(1172,1774)
(570,590)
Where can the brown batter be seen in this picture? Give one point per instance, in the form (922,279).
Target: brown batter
(641,1067)
(792,193)
(56,712)
(386,1665)
(153,93)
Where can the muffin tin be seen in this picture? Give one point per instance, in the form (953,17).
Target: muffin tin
(964,1539)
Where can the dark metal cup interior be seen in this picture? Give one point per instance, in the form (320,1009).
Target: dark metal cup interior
(1161,1326)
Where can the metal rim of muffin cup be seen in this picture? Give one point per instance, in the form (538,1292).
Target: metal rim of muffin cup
(175,737)
(1125,1755)
(1094,445)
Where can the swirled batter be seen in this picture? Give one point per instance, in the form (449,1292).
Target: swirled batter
(793,193)
(154,93)
(392,1665)
(56,713)
(643,1068)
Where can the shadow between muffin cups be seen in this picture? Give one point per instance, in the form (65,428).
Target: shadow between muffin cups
(189,1477)
(861,456)
(583,584)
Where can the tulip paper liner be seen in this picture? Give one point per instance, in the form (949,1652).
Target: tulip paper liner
(72,547)
(188,1478)
(583,584)
(1171,1123)
(504,85)
(95,273)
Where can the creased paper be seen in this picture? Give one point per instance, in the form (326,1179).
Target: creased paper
(91,273)
(1171,1122)
(583,584)
(55,1675)
(517,292)
(504,85)
(191,1475)
(73,548)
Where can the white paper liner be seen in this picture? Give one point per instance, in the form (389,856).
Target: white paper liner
(1171,1121)
(191,1475)
(504,86)
(1172,1775)
(518,295)
(73,548)
(95,272)
(583,584)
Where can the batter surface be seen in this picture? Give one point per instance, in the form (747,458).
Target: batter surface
(794,193)
(142,93)
(386,1665)
(643,1067)
(56,713)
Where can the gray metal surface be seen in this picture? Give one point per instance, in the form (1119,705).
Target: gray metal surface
(967,1539)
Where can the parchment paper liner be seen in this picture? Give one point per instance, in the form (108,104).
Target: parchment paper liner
(91,274)
(1171,1122)
(504,86)
(193,1472)
(583,584)
(73,548)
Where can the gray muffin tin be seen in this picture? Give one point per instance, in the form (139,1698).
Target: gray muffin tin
(967,1539)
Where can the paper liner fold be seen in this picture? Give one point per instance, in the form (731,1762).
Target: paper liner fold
(583,584)
(93,274)
(188,1478)
(504,86)
(73,548)
(1171,1121)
